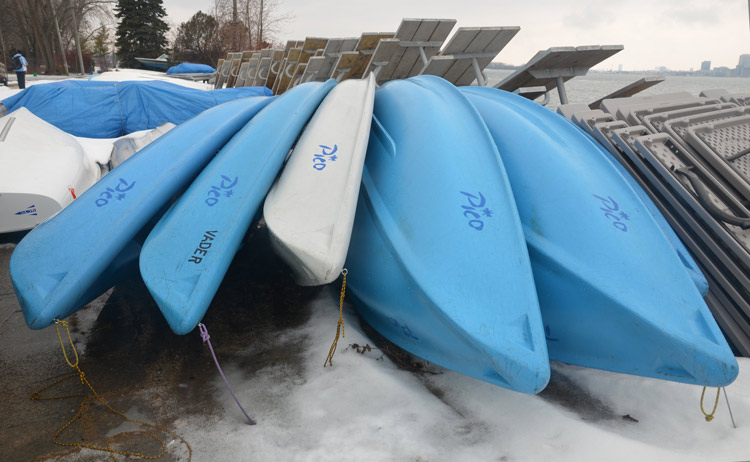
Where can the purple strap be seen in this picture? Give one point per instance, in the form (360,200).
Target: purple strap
(207,339)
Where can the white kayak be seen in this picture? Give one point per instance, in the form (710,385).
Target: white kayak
(309,211)
(42,169)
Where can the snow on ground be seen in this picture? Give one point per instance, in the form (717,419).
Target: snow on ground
(119,75)
(366,408)
(7,92)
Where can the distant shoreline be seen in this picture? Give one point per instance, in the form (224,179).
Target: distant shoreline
(719,72)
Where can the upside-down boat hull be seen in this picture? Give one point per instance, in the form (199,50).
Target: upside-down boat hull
(309,211)
(73,257)
(187,254)
(613,292)
(437,259)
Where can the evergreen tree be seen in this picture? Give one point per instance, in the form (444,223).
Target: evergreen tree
(101,47)
(141,31)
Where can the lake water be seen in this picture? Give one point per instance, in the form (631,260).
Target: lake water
(591,87)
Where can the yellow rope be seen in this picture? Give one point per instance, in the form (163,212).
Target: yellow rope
(710,417)
(340,325)
(70,340)
(37,395)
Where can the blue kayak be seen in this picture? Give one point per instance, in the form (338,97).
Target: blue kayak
(437,260)
(613,292)
(682,252)
(73,257)
(187,254)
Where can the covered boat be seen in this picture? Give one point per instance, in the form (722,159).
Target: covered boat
(42,169)
(107,109)
(191,68)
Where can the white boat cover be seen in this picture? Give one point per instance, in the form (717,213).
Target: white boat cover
(42,169)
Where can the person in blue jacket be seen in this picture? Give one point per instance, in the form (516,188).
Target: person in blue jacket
(20,65)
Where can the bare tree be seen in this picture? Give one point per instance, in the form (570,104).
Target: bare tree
(29,25)
(269,21)
(254,23)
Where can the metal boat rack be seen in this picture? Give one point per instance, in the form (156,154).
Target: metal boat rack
(418,47)
(692,156)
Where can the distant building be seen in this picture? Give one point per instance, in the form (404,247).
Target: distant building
(706,67)
(619,68)
(721,72)
(743,67)
(661,69)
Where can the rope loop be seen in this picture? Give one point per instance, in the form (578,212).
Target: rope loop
(710,417)
(204,332)
(95,397)
(70,341)
(340,325)
(207,339)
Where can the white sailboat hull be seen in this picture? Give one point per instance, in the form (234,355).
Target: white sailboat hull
(310,209)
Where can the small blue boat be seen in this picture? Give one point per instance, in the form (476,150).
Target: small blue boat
(437,259)
(613,292)
(73,257)
(187,254)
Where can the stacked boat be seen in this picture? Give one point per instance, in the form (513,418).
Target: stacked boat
(692,155)
(480,231)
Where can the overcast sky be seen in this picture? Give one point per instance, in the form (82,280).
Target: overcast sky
(678,34)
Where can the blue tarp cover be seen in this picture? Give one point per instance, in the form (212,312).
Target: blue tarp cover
(191,68)
(110,109)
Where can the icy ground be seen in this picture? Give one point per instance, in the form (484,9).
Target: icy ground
(365,408)
(272,340)
(119,75)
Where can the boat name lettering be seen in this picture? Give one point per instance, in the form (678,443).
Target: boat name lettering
(118,192)
(404,328)
(203,247)
(223,190)
(326,154)
(612,211)
(30,210)
(476,210)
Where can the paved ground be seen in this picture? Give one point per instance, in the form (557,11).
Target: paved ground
(134,361)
